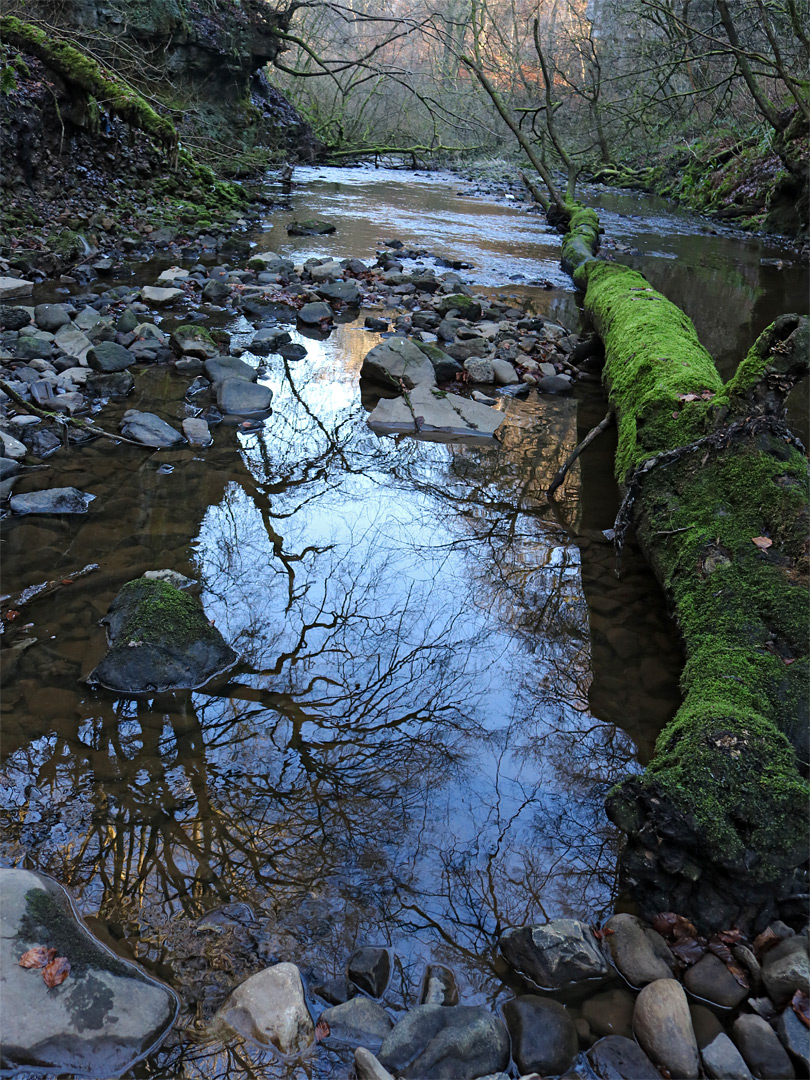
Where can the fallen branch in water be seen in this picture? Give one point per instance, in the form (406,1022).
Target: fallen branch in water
(36,592)
(592,435)
(62,418)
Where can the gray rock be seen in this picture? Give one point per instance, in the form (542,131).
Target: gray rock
(761,1049)
(711,980)
(723,1061)
(270,1008)
(51,316)
(471,347)
(11,288)
(193,341)
(268,339)
(61,500)
(149,429)
(101,1019)
(32,347)
(270,262)
(369,969)
(336,991)
(73,343)
(127,322)
(314,313)
(555,384)
(71,403)
(505,373)
(786,968)
(197,432)
(466,307)
(346,292)
(479,370)
(326,271)
(87,318)
(8,467)
(427,411)
(398,359)
(216,291)
(220,368)
(13,318)
(705,1023)
(445,368)
(618,1058)
(108,357)
(663,1027)
(310,227)
(436,1042)
(554,955)
(158,297)
(12,447)
(292,351)
(368,1067)
(159,639)
(237,397)
(544,1038)
(640,954)
(610,1013)
(188,365)
(439,986)
(360,1022)
(795,1037)
(373,323)
(116,385)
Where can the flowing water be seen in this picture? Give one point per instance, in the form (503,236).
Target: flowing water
(442,674)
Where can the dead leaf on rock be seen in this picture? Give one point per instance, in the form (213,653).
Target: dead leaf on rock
(801,1006)
(56,972)
(38,957)
(764,941)
(762,542)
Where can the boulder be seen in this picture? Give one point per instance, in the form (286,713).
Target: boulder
(237,397)
(640,954)
(101,1019)
(427,411)
(398,361)
(107,357)
(723,1061)
(465,306)
(479,370)
(12,287)
(369,969)
(330,270)
(544,1038)
(794,1035)
(220,368)
(360,1022)
(13,318)
(555,384)
(33,347)
(436,1042)
(368,1067)
(618,1058)
(310,227)
(197,432)
(336,991)
(663,1027)
(610,1013)
(761,1049)
(504,373)
(270,1008)
(194,341)
(554,955)
(343,292)
(314,313)
(149,429)
(159,639)
(292,351)
(11,446)
(786,968)
(269,262)
(439,986)
(160,297)
(51,316)
(216,292)
(268,339)
(711,980)
(61,500)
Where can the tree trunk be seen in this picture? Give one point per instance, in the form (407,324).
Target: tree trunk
(717,490)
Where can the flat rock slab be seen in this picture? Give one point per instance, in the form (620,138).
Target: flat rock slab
(397,362)
(426,410)
(220,368)
(149,429)
(104,1017)
(159,297)
(314,313)
(159,639)
(237,397)
(437,1042)
(11,287)
(62,500)
(73,342)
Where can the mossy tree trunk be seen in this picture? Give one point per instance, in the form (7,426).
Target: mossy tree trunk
(717,491)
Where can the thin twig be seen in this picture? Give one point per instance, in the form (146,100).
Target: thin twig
(62,418)
(593,434)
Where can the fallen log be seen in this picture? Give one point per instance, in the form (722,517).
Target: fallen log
(717,491)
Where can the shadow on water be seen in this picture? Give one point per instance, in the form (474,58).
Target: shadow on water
(442,678)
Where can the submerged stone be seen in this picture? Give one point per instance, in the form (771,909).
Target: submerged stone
(63,500)
(149,429)
(159,639)
(437,1042)
(310,227)
(429,411)
(104,1016)
(270,1008)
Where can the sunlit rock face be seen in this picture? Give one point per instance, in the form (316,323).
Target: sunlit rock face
(75,1007)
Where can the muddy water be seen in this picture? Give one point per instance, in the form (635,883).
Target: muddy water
(442,674)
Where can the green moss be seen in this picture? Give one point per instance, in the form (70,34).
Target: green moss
(652,358)
(581,241)
(115,95)
(156,609)
(198,332)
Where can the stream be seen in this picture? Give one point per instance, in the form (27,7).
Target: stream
(443,674)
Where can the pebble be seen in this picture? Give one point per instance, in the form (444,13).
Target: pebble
(761,1049)
(368,1067)
(723,1061)
(640,954)
(663,1027)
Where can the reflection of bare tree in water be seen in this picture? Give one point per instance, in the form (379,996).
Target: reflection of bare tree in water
(408,758)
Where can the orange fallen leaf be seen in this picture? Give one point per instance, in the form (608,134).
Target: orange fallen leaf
(321,1030)
(11,614)
(762,542)
(56,972)
(38,957)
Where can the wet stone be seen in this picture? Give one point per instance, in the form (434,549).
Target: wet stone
(159,639)
(268,339)
(663,1026)
(193,341)
(104,1016)
(159,297)
(360,1022)
(149,429)
(115,385)
(292,351)
(436,1042)
(397,359)
(554,955)
(640,954)
(61,500)
(544,1038)
(555,384)
(345,292)
(367,1067)
(369,969)
(237,397)
(216,291)
(310,227)
(220,368)
(8,467)
(11,288)
(761,1049)
(108,357)
(196,430)
(428,411)
(795,1037)
(439,986)
(13,318)
(270,1008)
(786,968)
(618,1058)
(336,991)
(711,980)
(314,313)
(610,1013)
(32,347)
(723,1061)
